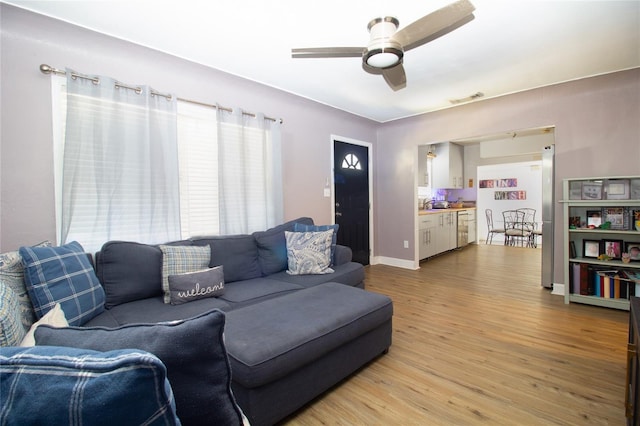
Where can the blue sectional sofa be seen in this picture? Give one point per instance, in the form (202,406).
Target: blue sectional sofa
(287,338)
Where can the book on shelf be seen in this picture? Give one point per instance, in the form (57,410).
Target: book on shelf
(607,283)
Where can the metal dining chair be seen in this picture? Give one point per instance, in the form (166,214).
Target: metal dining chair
(531,225)
(517,231)
(491,230)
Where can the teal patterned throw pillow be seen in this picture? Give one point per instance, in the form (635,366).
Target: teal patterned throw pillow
(309,252)
(11,330)
(12,273)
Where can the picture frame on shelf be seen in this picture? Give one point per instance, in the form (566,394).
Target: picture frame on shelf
(591,190)
(575,190)
(613,248)
(591,248)
(594,218)
(633,248)
(574,221)
(634,189)
(617,189)
(635,220)
(615,216)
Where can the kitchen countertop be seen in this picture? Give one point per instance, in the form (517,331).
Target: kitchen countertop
(422,212)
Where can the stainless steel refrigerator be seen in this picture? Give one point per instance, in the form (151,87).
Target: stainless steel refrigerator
(548,200)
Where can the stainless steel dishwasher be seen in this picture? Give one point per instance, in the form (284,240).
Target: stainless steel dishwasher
(463,228)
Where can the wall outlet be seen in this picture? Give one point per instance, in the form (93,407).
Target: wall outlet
(406,244)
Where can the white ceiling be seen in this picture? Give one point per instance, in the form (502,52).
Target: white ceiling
(510,46)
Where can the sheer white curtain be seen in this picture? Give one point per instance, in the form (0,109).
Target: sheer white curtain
(120,173)
(250,172)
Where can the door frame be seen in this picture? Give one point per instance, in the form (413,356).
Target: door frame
(369,146)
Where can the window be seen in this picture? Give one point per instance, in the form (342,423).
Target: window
(198,166)
(229,176)
(352,162)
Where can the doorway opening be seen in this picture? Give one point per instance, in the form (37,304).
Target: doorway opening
(519,146)
(352,196)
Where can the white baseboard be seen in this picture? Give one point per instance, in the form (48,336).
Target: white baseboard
(398,263)
(558,289)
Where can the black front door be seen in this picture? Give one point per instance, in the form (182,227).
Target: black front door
(351,178)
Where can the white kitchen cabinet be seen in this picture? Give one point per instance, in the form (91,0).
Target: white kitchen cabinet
(426,235)
(448,166)
(472,225)
(423,170)
(446,231)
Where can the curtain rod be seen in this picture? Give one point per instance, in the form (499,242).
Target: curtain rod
(46,69)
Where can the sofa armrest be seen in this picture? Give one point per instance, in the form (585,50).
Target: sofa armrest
(343,254)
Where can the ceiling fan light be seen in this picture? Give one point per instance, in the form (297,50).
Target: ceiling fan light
(383,57)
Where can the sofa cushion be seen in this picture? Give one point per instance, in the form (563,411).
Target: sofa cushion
(272,246)
(237,253)
(250,291)
(179,260)
(11,329)
(154,310)
(193,351)
(350,273)
(62,275)
(270,340)
(301,227)
(343,254)
(47,385)
(12,273)
(192,286)
(129,271)
(309,252)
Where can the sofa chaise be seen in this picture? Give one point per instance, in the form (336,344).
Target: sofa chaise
(288,337)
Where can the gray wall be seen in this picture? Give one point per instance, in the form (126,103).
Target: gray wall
(597,134)
(26,153)
(597,130)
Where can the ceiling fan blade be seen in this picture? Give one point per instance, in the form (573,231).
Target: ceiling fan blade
(435,24)
(395,77)
(328,52)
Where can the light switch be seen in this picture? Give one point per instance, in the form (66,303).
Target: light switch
(327,192)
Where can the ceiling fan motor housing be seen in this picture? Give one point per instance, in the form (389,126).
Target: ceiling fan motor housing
(382,51)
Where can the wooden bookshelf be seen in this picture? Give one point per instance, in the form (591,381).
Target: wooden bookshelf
(587,233)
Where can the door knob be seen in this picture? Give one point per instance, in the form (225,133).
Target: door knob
(338,214)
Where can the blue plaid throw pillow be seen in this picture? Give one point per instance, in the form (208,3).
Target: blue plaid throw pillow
(64,386)
(62,275)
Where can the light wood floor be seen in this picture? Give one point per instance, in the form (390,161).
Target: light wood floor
(478,341)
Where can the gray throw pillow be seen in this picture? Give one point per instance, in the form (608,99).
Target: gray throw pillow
(196,285)
(193,351)
(181,259)
(272,247)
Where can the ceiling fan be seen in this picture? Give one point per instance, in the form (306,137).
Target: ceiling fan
(384,53)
